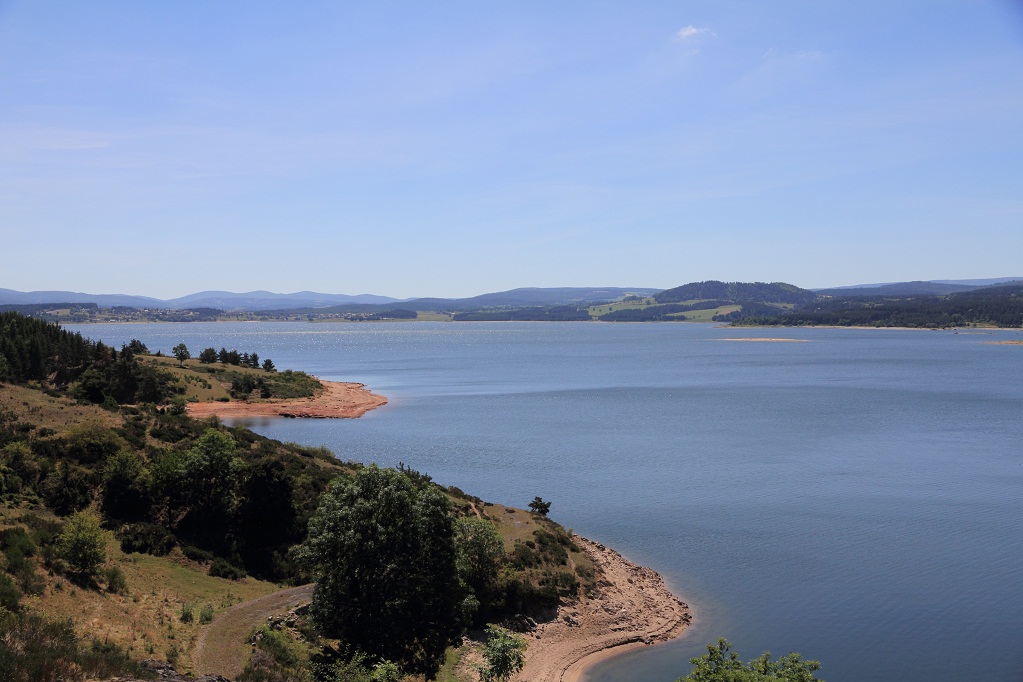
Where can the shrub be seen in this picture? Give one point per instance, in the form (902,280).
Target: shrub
(187,614)
(206,614)
(67,489)
(16,545)
(82,544)
(263,668)
(116,582)
(146,537)
(10,595)
(196,554)
(220,568)
(29,581)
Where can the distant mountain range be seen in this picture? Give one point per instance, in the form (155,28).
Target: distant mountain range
(265,300)
(938,287)
(224,300)
(528,297)
(523,297)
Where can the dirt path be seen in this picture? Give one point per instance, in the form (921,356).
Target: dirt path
(222,647)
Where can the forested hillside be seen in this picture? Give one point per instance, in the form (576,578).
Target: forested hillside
(737,292)
(1000,306)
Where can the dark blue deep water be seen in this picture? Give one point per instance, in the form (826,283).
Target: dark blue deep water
(856,497)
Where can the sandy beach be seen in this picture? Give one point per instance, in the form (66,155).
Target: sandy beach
(631,608)
(337,400)
(766,340)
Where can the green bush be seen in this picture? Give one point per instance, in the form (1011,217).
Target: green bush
(10,595)
(116,582)
(206,614)
(278,645)
(196,554)
(263,668)
(147,538)
(82,543)
(187,614)
(220,568)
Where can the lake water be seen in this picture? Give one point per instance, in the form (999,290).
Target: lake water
(856,497)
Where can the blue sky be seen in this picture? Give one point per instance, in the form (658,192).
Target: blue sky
(455,148)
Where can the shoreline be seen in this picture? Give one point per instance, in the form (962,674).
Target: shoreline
(631,608)
(337,400)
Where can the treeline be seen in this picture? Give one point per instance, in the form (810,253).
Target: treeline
(198,487)
(32,350)
(996,306)
(393,314)
(37,308)
(35,350)
(653,313)
(209,356)
(532,314)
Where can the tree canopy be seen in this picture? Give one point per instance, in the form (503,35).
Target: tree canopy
(381,550)
(82,544)
(721,664)
(504,655)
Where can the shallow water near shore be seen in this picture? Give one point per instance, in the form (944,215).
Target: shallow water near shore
(857,498)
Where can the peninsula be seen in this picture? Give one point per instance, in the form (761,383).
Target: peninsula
(335,400)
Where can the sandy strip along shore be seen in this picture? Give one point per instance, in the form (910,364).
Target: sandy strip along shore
(338,400)
(763,340)
(631,608)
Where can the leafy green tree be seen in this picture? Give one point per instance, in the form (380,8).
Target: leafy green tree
(538,506)
(208,356)
(125,486)
(504,654)
(135,347)
(268,365)
(721,664)
(211,471)
(181,353)
(82,543)
(67,489)
(478,548)
(265,514)
(381,550)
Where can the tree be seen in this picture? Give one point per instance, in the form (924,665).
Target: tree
(181,353)
(720,664)
(478,547)
(268,365)
(504,655)
(82,544)
(538,506)
(381,551)
(125,486)
(208,356)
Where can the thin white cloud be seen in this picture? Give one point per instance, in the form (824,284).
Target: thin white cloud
(688,32)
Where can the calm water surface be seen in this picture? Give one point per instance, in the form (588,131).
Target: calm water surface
(856,496)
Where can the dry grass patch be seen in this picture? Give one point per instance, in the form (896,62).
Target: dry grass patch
(146,619)
(52,412)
